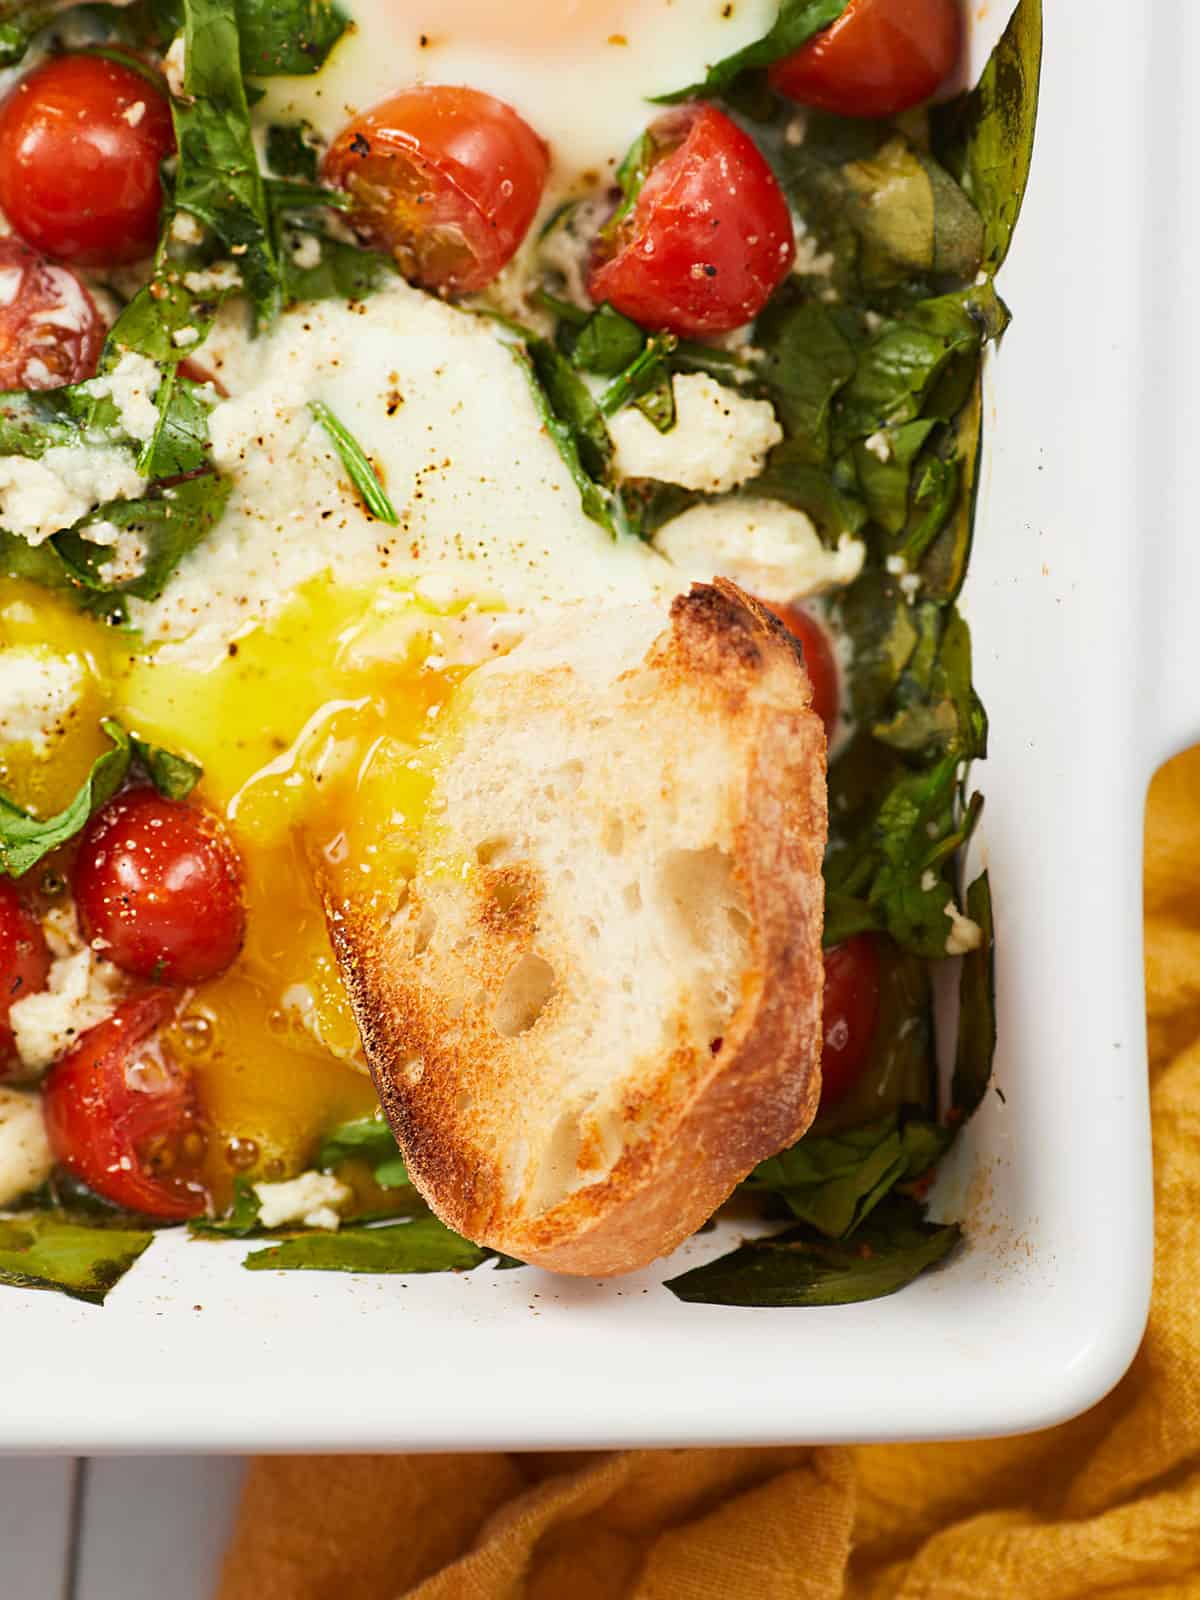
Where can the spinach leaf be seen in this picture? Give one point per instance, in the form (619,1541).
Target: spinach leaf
(911,218)
(25,839)
(39,1250)
(580,430)
(289,151)
(803,1268)
(808,360)
(344,272)
(288,37)
(239,1222)
(172,775)
(884,469)
(358,468)
(425,1245)
(985,138)
(366,1139)
(796,23)
(170,521)
(605,343)
(976,1009)
(834,1181)
(218,180)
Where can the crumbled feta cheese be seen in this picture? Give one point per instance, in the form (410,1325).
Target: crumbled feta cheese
(873,321)
(132,386)
(39,693)
(182,337)
(810,260)
(880,445)
(965,934)
(41,498)
(720,438)
(909,581)
(175,65)
(133,114)
(80,992)
(929,880)
(25,1158)
(129,552)
(306,252)
(797,129)
(185,229)
(314,1199)
(770,549)
(213,280)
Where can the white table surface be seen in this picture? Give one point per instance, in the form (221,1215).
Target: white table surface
(140,1527)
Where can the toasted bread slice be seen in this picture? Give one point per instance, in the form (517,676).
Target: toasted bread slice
(599,1003)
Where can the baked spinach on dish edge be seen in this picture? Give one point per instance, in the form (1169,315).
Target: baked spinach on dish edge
(871,356)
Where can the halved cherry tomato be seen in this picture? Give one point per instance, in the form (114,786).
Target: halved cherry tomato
(879,57)
(121,1113)
(448,179)
(851,1014)
(709,236)
(81,140)
(159,885)
(50,330)
(819,660)
(24,961)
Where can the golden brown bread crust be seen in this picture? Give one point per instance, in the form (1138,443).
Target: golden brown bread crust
(698,1120)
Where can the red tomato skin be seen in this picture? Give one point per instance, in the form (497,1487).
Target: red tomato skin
(819,660)
(36,352)
(79,163)
(118,1107)
(878,58)
(851,1014)
(159,884)
(709,238)
(24,961)
(449,179)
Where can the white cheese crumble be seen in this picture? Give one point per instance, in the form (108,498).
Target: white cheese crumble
(810,260)
(314,1199)
(132,386)
(909,581)
(81,991)
(41,498)
(182,337)
(965,934)
(39,694)
(175,65)
(770,549)
(797,129)
(306,251)
(25,1158)
(213,280)
(133,114)
(185,229)
(720,439)
(880,445)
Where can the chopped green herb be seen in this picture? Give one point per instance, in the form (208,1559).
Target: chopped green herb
(358,469)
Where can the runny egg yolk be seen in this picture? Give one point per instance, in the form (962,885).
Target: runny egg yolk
(310,732)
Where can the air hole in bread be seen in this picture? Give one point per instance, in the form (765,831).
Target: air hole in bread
(558,1172)
(524,996)
(708,904)
(423,932)
(463,1100)
(632,896)
(592,928)
(505,894)
(413,1071)
(572,775)
(614,836)
(489,850)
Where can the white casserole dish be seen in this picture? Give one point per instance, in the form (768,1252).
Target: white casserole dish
(1077,554)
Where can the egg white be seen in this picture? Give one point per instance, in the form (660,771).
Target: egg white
(581,72)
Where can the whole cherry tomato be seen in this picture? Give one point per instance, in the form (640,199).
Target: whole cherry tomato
(121,1113)
(81,142)
(708,237)
(50,330)
(448,179)
(159,884)
(851,1014)
(879,57)
(818,659)
(24,961)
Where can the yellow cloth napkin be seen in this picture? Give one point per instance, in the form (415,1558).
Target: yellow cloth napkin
(1106,1505)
